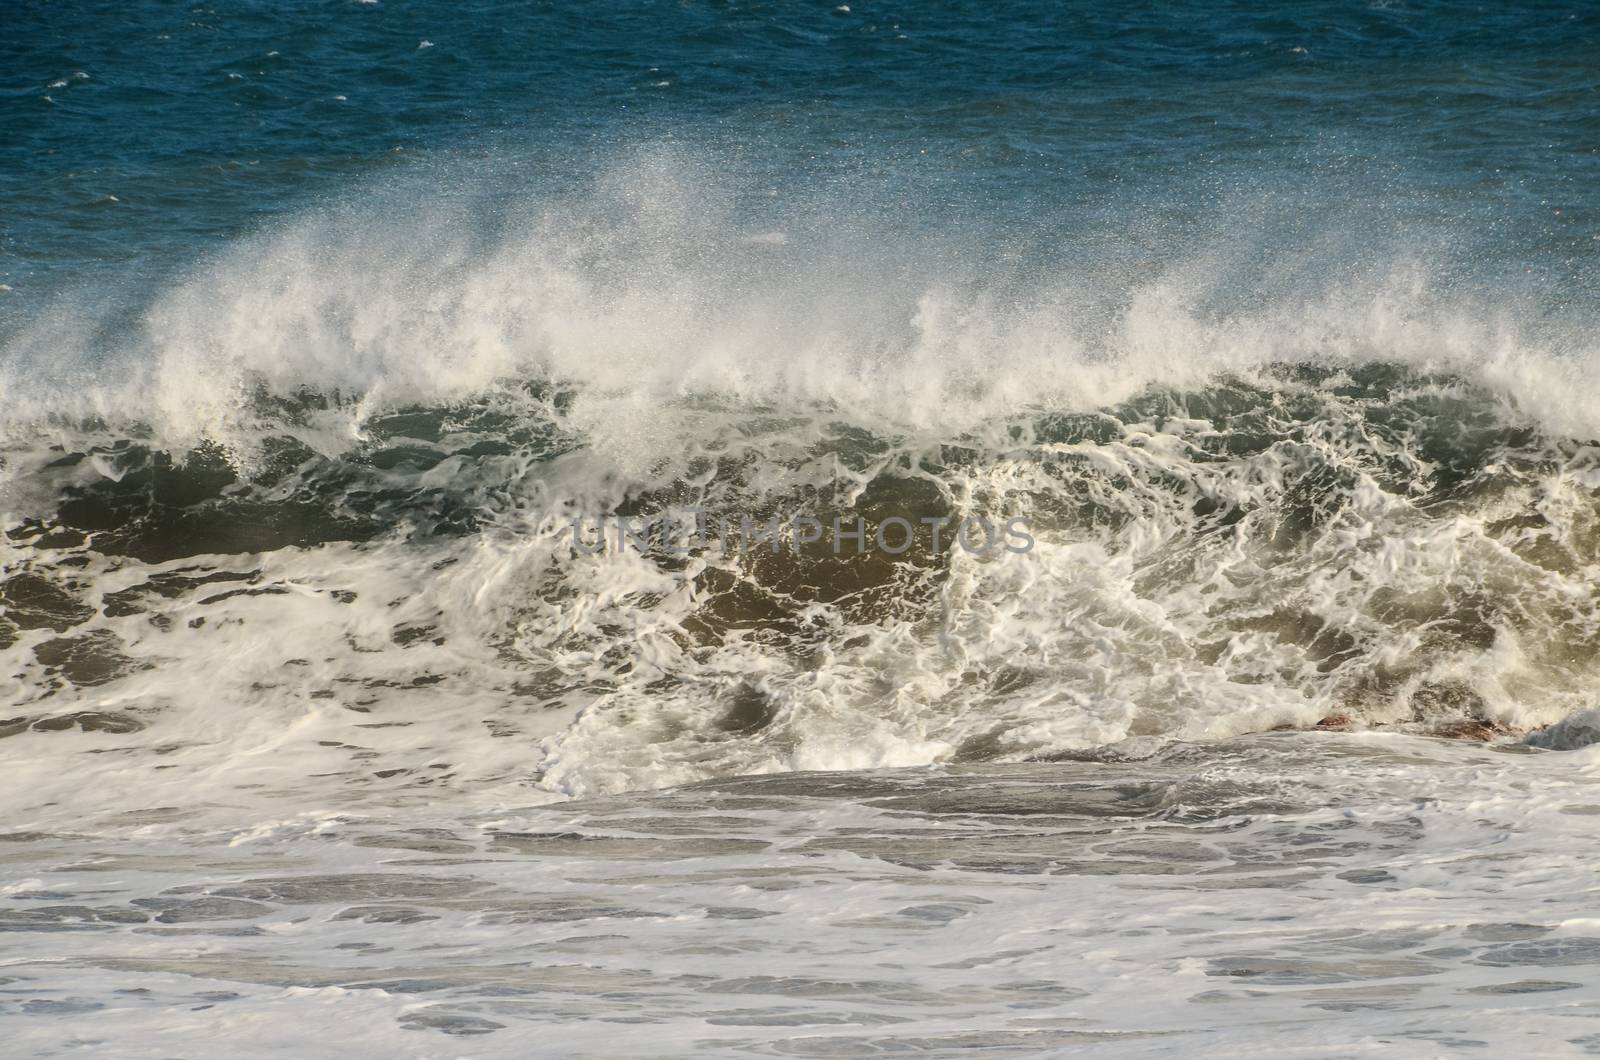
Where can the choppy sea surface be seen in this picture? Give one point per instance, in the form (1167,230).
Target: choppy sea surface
(326,327)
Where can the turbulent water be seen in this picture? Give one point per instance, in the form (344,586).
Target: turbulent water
(334,340)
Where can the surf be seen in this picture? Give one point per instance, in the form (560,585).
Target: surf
(320,482)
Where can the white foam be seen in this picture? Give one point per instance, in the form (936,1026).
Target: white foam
(646,295)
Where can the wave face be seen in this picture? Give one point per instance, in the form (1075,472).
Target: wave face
(317,500)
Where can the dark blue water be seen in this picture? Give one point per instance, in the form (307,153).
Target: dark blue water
(135,139)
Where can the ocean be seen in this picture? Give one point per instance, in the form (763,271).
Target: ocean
(714,529)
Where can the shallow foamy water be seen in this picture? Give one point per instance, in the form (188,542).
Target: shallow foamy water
(1268,896)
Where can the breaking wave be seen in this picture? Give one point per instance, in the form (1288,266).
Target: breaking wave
(302,515)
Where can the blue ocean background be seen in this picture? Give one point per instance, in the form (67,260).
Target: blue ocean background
(134,141)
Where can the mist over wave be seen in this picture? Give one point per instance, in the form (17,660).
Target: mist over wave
(675,272)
